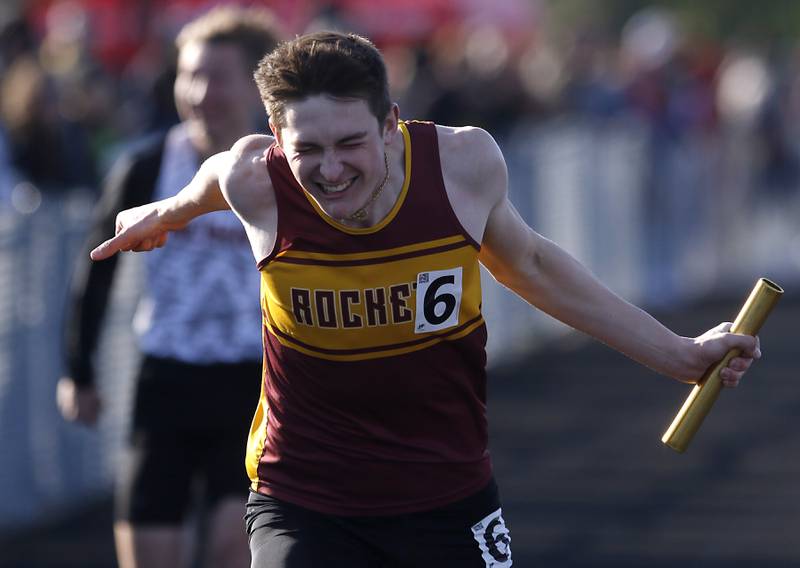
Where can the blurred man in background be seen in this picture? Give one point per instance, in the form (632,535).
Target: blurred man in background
(198,320)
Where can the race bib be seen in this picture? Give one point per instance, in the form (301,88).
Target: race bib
(438,300)
(494,540)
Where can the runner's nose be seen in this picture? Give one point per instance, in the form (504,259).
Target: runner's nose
(331,167)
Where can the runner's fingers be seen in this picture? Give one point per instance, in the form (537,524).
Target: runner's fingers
(145,245)
(108,248)
(730,378)
(740,364)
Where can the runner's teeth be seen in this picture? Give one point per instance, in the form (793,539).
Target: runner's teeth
(335,188)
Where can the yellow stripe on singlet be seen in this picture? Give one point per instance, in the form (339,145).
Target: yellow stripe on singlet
(256,439)
(381,352)
(371,255)
(318,303)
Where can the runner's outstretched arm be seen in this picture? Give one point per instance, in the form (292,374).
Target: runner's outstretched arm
(146,227)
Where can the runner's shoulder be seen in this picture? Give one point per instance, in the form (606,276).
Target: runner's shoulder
(247,157)
(252,146)
(470,155)
(244,179)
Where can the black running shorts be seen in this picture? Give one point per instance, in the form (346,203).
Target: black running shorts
(188,439)
(470,533)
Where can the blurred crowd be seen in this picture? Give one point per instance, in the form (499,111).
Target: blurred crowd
(81,78)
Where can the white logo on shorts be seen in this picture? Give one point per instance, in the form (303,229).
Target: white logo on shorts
(494,540)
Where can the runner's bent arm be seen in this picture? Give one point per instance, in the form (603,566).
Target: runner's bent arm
(549,278)
(146,227)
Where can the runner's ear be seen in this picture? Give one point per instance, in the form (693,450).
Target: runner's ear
(276,132)
(390,124)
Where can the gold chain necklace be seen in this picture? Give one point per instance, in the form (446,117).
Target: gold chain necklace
(361,214)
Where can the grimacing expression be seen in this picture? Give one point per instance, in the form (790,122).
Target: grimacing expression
(335,148)
(215,93)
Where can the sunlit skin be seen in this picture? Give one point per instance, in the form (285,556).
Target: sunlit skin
(215,95)
(335,149)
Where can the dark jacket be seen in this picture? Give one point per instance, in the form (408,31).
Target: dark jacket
(130,183)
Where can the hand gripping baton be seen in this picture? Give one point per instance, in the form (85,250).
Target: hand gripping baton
(698,404)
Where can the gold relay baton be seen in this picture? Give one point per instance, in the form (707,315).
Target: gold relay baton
(698,404)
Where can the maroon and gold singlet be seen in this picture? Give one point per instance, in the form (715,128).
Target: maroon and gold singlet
(374,393)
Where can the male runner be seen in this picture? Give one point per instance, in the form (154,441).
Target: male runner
(369,446)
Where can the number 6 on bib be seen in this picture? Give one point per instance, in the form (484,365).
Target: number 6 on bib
(438,300)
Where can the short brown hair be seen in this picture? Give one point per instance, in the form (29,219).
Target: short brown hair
(253,30)
(342,65)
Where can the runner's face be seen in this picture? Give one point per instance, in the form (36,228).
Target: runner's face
(214,94)
(335,149)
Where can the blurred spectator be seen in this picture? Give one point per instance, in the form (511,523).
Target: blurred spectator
(46,148)
(16,39)
(463,76)
(89,94)
(199,320)
(7,175)
(779,131)
(593,85)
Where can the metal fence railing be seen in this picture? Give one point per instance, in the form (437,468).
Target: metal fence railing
(46,464)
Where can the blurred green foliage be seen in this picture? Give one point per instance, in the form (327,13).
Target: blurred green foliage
(764,21)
